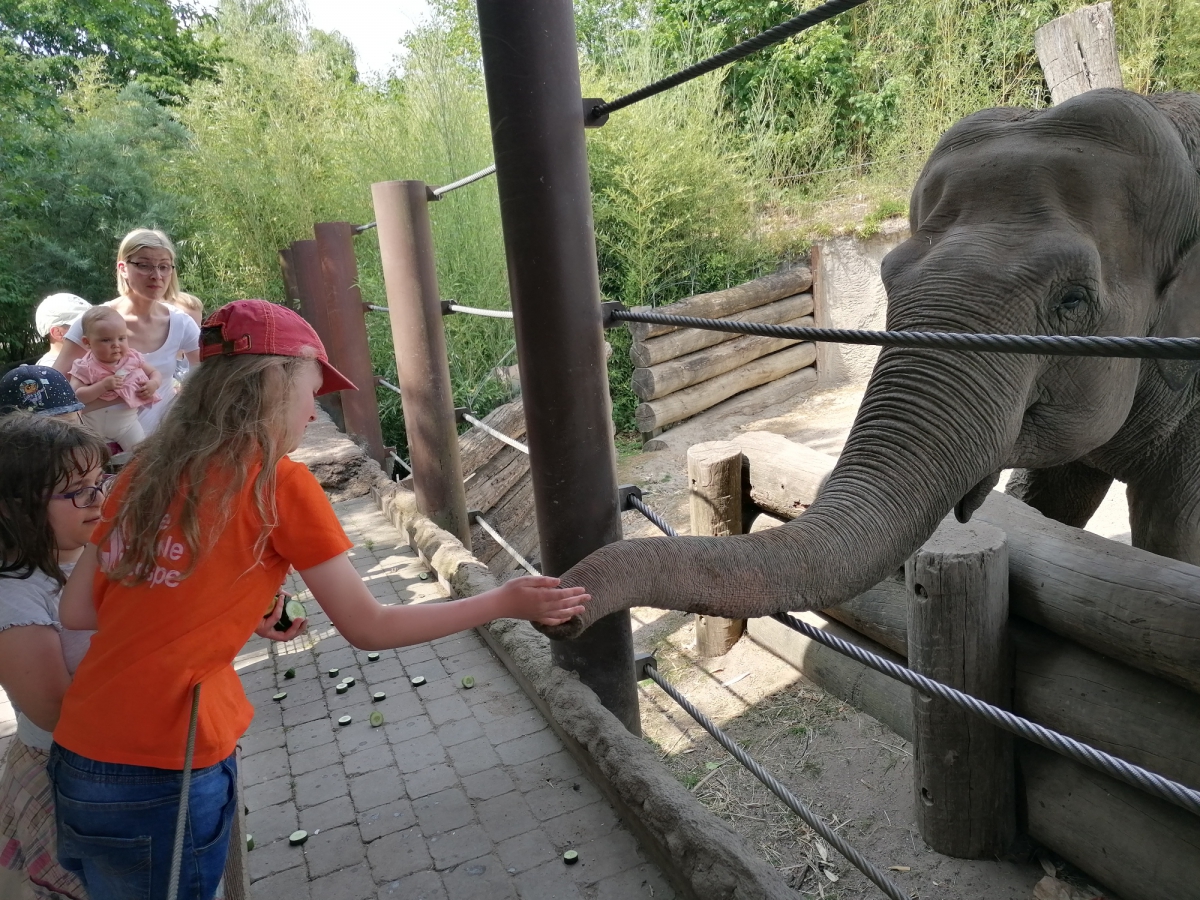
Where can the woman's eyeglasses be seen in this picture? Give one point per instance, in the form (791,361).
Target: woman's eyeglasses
(87,496)
(163,269)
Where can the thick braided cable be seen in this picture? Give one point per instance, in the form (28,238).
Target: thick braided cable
(1037,344)
(654,517)
(794,803)
(1148,781)
(181,817)
(771,36)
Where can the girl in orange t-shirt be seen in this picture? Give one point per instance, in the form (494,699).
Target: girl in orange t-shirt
(198,535)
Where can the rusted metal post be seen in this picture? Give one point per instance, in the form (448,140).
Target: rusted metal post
(531,71)
(349,350)
(423,370)
(287,268)
(310,288)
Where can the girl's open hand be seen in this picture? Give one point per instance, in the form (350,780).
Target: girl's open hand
(266,628)
(538,598)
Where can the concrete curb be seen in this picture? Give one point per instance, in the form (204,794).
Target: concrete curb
(704,858)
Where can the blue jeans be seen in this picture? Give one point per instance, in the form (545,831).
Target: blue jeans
(116,826)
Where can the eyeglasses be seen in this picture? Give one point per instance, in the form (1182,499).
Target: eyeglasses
(163,269)
(87,496)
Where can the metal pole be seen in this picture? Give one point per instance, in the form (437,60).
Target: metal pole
(349,350)
(287,268)
(422,367)
(531,72)
(310,288)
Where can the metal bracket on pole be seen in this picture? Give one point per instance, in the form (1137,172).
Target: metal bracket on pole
(460,412)
(589,119)
(624,492)
(446,310)
(431,195)
(607,309)
(473,514)
(641,662)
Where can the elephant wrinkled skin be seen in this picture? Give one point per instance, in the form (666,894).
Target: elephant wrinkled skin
(1083,219)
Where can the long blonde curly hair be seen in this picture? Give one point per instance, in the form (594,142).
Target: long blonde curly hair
(230,416)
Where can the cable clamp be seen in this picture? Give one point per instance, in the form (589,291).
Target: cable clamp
(446,304)
(590,119)
(641,663)
(461,412)
(606,313)
(473,514)
(624,492)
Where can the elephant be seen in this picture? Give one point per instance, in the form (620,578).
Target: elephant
(1081,219)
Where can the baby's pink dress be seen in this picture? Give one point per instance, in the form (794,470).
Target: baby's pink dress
(89,370)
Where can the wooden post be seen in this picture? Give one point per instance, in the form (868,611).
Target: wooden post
(715,482)
(310,289)
(957,634)
(1078,52)
(287,268)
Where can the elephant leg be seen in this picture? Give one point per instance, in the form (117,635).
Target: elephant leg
(1165,519)
(1069,494)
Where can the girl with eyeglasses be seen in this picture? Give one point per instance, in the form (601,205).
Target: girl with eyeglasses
(148,289)
(51,491)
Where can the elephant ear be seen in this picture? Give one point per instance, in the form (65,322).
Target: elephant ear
(1179,316)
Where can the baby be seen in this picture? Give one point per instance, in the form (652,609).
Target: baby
(108,377)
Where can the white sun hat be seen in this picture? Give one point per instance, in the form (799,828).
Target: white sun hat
(58,309)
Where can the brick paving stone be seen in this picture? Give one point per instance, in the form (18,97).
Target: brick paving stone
(458,846)
(399,689)
(370,790)
(384,670)
(530,747)
(473,757)
(548,881)
(396,855)
(459,731)
(273,858)
(386,819)
(301,691)
(268,717)
(428,781)
(554,800)
(272,823)
(488,707)
(330,814)
(479,879)
(337,848)
(443,811)
(487,784)
(319,786)
(421,886)
(291,884)
(605,856)
(646,881)
(430,668)
(415,755)
(315,758)
(268,793)
(442,687)
(407,729)
(359,734)
(525,851)
(447,709)
(261,741)
(468,663)
(309,735)
(555,767)
(265,766)
(581,825)
(305,712)
(354,883)
(368,760)
(515,726)
(415,654)
(505,816)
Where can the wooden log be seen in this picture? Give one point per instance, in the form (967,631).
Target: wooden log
(1140,847)
(957,634)
(688,340)
(715,500)
(877,695)
(729,301)
(684,371)
(682,404)
(475,447)
(492,480)
(1078,52)
(1122,602)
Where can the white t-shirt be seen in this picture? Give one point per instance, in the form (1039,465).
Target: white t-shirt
(183,335)
(34,601)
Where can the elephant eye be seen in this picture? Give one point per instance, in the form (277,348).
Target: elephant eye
(1073,297)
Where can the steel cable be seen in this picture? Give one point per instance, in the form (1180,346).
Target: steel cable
(505,545)
(463,182)
(654,517)
(498,435)
(771,36)
(1148,781)
(1038,344)
(476,311)
(794,803)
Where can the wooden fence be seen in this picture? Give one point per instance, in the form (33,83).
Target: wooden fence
(681,372)
(1105,647)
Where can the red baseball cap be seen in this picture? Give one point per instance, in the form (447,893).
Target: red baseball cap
(267,329)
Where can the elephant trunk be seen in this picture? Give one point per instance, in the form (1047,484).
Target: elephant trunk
(912,454)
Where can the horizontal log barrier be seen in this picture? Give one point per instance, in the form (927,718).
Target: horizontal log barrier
(684,371)
(682,341)
(719,304)
(1128,604)
(656,414)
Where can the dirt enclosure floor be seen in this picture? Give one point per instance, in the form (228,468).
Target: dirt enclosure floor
(847,766)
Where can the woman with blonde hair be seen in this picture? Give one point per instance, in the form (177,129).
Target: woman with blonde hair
(148,287)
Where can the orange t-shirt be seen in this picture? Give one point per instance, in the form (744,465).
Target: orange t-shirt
(131,698)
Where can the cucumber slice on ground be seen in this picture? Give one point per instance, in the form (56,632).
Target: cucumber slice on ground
(344,720)
(349,682)
(296,838)
(290,673)
(342,688)
(571,857)
(424,576)
(280,696)
(372,656)
(333,673)
(249,842)
(468,682)
(377,696)
(417,680)
(376,718)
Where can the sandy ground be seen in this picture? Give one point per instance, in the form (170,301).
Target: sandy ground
(852,770)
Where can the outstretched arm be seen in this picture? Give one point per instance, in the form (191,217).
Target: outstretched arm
(368,625)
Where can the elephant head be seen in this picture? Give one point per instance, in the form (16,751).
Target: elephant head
(1083,219)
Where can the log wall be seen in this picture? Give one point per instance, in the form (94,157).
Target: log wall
(679,372)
